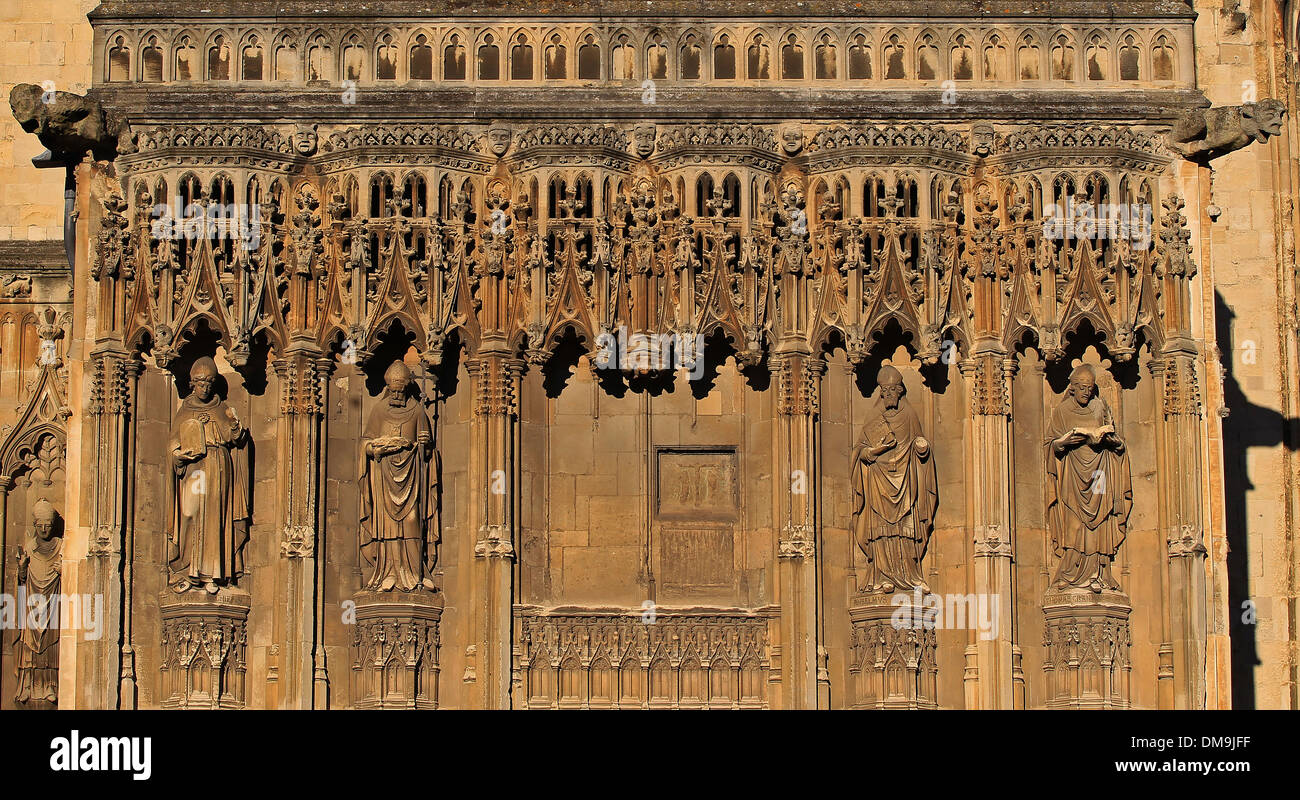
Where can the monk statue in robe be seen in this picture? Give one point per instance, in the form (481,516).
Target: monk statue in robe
(895,491)
(399,491)
(210,489)
(1091,491)
(40,573)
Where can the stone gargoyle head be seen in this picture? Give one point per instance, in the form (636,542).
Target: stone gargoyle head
(67,123)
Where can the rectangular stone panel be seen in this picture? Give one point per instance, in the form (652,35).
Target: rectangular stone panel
(696,557)
(696,484)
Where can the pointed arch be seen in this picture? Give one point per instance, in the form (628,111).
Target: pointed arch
(758,56)
(1029,57)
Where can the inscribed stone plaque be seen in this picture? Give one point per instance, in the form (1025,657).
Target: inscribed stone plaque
(697,485)
(696,557)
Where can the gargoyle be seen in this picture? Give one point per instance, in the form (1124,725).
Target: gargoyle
(69,123)
(1207,133)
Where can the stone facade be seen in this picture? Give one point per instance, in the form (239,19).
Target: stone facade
(725,355)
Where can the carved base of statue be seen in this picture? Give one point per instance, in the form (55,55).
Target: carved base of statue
(395,650)
(893,653)
(1087,641)
(203,642)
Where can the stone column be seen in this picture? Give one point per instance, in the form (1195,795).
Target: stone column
(494,485)
(297,662)
(109,661)
(798,379)
(1178,457)
(990,654)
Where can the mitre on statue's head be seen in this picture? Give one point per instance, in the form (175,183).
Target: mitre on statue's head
(398,375)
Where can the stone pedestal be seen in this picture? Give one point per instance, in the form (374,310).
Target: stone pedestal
(893,653)
(1086,663)
(395,650)
(203,641)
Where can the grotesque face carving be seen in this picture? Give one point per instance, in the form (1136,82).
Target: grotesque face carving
(891,387)
(396,378)
(203,379)
(305,140)
(644,136)
(982,139)
(1083,385)
(499,140)
(1263,119)
(791,139)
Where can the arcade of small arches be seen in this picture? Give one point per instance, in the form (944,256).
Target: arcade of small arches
(1002,54)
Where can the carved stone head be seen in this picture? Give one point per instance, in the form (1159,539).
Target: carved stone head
(643,137)
(499,140)
(396,380)
(1083,384)
(45,520)
(1263,119)
(891,386)
(203,378)
(791,139)
(982,139)
(305,140)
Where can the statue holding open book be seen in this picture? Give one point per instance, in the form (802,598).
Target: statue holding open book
(399,490)
(895,491)
(209,489)
(1090,488)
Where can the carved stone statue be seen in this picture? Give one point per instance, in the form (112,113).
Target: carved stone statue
(1208,133)
(895,491)
(210,489)
(1090,489)
(399,491)
(40,573)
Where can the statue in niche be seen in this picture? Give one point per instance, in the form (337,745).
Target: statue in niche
(895,491)
(40,573)
(400,527)
(210,489)
(1091,492)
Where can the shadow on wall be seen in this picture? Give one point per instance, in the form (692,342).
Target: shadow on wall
(1246,426)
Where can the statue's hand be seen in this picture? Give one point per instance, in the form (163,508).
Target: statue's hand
(1072,439)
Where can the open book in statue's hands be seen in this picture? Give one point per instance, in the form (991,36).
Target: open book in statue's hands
(192,442)
(1094,435)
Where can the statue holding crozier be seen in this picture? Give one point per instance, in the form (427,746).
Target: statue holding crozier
(399,491)
(1091,491)
(895,491)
